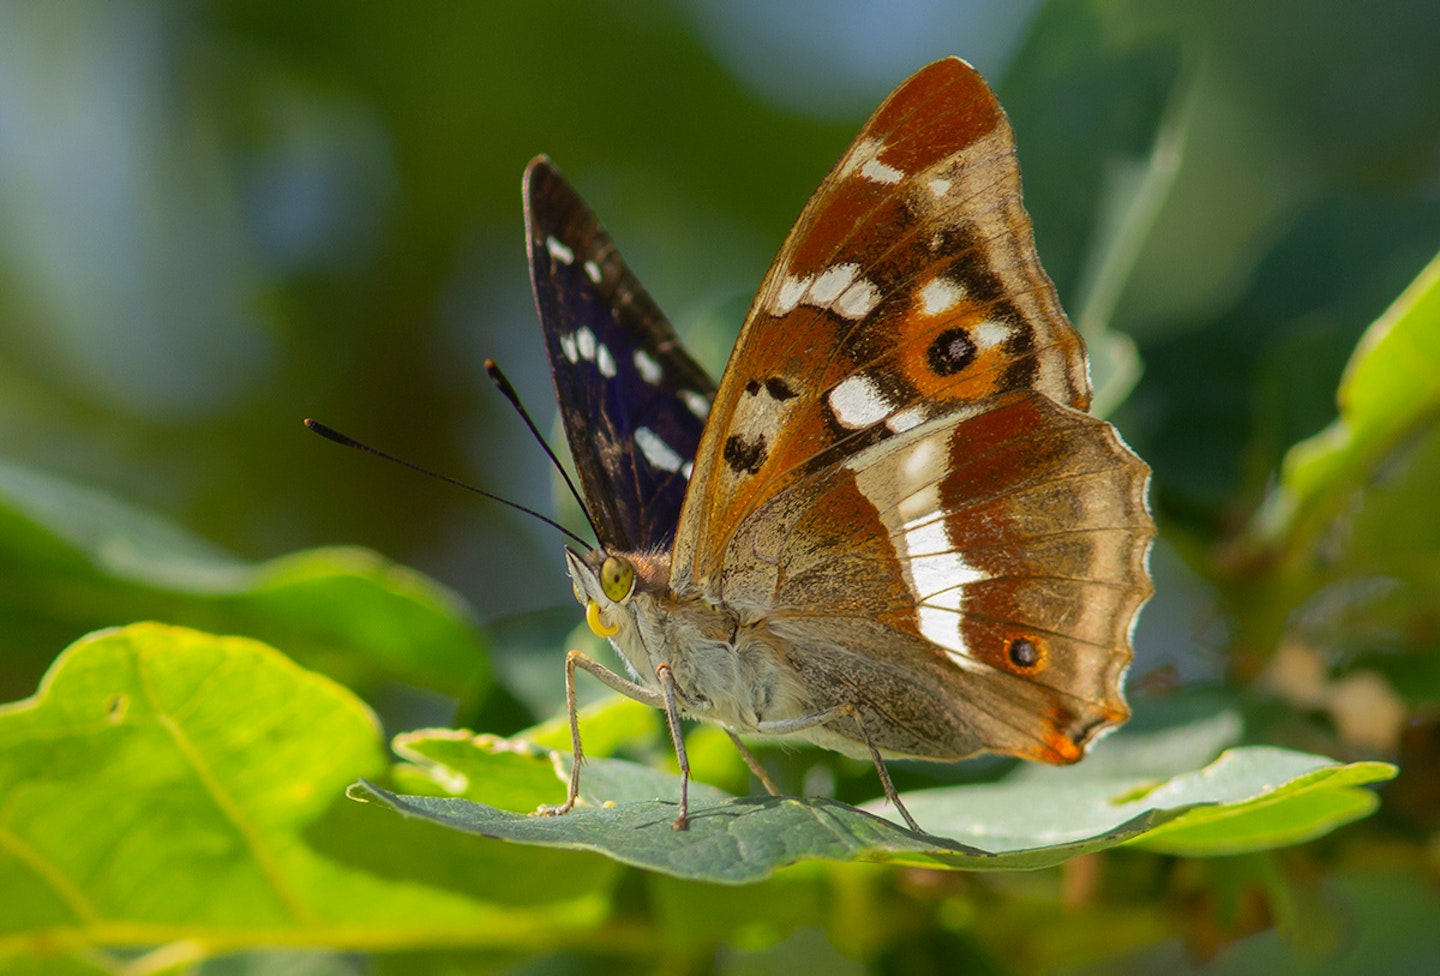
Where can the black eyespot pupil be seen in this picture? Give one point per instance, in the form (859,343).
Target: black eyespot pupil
(951,352)
(1023,653)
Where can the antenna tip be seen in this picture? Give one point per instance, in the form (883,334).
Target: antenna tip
(329,433)
(501,380)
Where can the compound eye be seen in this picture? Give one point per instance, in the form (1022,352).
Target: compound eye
(617,578)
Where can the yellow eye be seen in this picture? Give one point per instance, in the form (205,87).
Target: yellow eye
(617,578)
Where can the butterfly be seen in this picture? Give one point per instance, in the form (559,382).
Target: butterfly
(893,529)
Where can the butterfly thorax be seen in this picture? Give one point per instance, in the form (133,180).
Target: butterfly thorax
(727,669)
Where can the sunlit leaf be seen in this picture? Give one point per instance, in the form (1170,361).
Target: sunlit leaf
(169,786)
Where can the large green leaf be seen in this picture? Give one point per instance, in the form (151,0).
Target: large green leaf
(170,788)
(1249,798)
(73,559)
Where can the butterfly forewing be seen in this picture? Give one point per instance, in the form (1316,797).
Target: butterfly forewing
(633,402)
(909,287)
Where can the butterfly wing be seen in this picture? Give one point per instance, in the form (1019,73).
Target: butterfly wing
(632,401)
(899,475)
(990,563)
(909,286)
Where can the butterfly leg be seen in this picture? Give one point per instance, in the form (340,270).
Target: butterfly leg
(672,719)
(628,688)
(884,772)
(789,725)
(754,764)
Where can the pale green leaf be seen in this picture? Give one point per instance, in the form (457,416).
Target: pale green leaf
(166,786)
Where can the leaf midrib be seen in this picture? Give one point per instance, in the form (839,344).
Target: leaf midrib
(265,858)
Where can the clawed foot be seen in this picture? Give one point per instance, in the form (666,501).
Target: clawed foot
(554,809)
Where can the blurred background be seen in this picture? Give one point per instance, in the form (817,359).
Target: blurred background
(219,218)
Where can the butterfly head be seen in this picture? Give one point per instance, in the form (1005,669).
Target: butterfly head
(606,585)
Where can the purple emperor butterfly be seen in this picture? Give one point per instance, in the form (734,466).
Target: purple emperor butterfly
(893,530)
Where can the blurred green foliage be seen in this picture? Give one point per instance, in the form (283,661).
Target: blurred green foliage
(218,218)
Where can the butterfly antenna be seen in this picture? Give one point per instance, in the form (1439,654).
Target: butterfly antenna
(508,392)
(330,433)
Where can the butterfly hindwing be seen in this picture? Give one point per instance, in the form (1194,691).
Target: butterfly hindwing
(995,561)
(633,402)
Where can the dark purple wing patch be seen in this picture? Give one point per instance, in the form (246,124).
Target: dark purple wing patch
(633,402)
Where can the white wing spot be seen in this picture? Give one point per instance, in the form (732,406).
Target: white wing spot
(939,186)
(907,496)
(940,295)
(559,251)
(952,599)
(838,288)
(857,402)
(922,503)
(791,293)
(878,172)
(943,628)
(905,419)
(938,574)
(585,343)
(832,282)
(988,334)
(567,346)
(592,271)
(922,465)
(696,403)
(860,157)
(660,455)
(857,302)
(650,370)
(604,361)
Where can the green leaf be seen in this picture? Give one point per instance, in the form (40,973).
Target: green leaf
(166,786)
(1309,806)
(1343,560)
(73,559)
(1390,392)
(519,775)
(1039,817)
